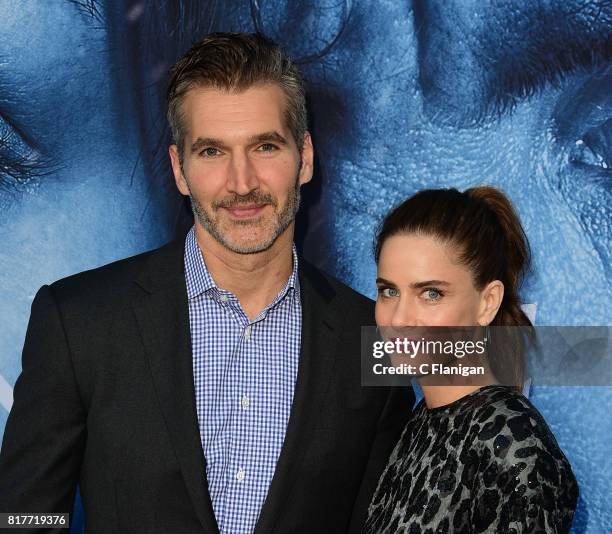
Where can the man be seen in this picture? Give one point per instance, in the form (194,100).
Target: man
(213,384)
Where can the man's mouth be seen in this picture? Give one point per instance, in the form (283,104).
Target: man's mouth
(245,211)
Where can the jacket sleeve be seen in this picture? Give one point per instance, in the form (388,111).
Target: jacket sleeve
(392,421)
(44,437)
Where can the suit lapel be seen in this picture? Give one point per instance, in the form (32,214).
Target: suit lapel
(318,348)
(163,318)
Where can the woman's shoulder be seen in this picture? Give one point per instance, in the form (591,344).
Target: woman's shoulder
(520,463)
(505,420)
(502,410)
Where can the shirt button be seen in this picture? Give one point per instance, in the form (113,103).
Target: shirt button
(240,475)
(245,402)
(223,298)
(247,332)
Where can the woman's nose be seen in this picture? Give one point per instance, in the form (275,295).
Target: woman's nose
(403,315)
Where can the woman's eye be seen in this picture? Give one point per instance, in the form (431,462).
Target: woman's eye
(432,294)
(388,292)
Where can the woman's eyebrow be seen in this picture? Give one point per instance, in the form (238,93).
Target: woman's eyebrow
(415,285)
(427,283)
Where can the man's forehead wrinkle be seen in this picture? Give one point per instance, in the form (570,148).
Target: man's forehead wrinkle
(478,58)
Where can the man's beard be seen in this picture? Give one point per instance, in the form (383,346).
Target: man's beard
(280,222)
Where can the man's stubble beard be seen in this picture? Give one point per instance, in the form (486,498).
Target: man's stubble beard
(281,221)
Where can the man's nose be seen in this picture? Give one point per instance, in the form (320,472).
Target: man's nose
(242,177)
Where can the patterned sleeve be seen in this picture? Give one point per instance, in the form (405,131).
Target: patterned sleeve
(523,483)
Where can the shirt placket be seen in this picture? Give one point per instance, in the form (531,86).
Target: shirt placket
(237,477)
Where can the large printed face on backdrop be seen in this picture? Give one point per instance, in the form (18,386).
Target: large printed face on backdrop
(517,95)
(455,93)
(73,194)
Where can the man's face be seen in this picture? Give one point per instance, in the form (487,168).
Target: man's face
(241,166)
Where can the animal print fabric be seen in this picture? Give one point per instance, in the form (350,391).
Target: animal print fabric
(484,463)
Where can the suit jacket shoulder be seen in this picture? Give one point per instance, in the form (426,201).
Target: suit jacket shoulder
(352,302)
(112,283)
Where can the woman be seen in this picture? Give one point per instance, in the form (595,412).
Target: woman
(475,457)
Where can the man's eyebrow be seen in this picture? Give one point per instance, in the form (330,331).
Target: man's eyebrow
(273,137)
(266,137)
(202,142)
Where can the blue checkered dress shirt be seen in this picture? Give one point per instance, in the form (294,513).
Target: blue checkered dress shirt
(244,375)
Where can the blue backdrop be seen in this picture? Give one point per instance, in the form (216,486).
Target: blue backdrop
(402,95)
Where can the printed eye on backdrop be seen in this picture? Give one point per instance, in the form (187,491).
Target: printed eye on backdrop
(20,163)
(593,148)
(583,132)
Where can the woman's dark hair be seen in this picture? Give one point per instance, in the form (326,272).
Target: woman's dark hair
(482,225)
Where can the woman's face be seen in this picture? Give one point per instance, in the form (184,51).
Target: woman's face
(421,283)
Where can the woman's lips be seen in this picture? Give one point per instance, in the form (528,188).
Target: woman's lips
(246,211)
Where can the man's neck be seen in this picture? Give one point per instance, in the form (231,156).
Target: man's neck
(255,279)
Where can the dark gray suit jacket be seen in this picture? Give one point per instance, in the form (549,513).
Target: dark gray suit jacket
(106,401)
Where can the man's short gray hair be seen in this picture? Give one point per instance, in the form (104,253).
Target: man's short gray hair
(236,62)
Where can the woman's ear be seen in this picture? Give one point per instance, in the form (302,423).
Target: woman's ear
(490,300)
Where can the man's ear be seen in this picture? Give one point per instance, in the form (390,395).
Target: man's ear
(490,300)
(177,170)
(307,160)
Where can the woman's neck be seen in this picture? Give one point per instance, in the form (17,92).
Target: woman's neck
(437,396)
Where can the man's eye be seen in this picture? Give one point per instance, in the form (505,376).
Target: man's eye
(210,152)
(267,147)
(594,148)
(388,292)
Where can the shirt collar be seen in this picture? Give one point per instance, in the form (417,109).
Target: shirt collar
(197,276)
(199,279)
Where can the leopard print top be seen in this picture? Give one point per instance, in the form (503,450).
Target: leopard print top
(484,463)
